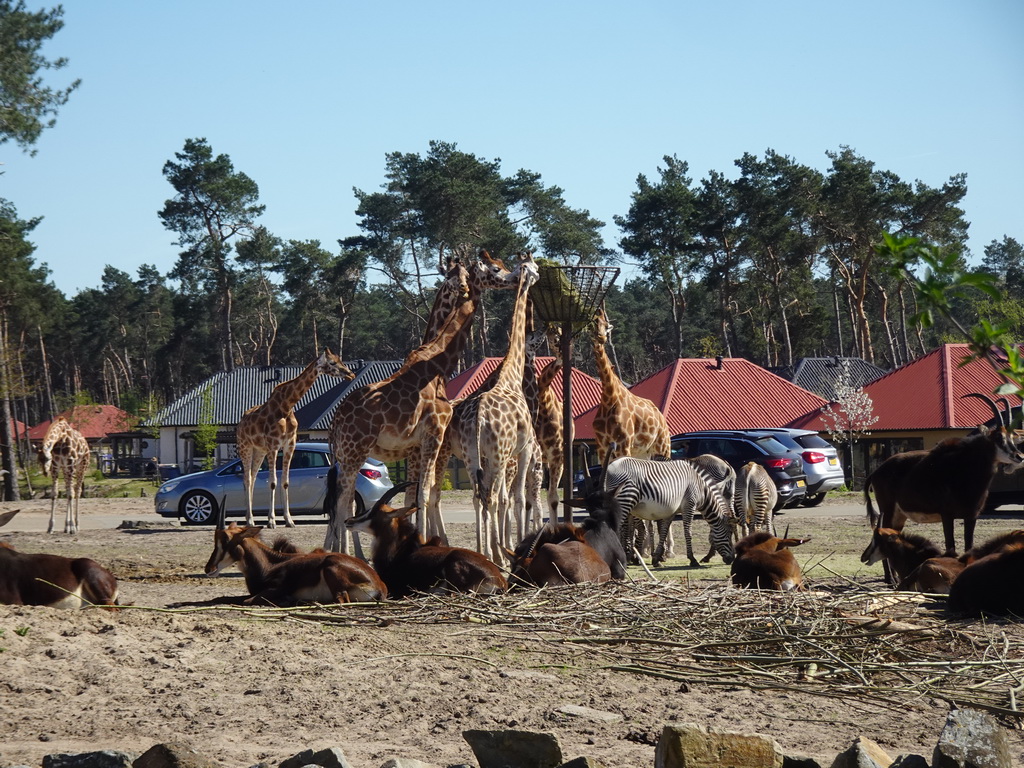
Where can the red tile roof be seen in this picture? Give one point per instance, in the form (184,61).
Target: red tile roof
(93,421)
(694,393)
(586,390)
(926,393)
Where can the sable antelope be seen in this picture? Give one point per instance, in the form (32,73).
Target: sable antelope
(991,584)
(277,575)
(934,576)
(902,552)
(763,561)
(658,490)
(949,482)
(558,554)
(52,580)
(408,564)
(600,533)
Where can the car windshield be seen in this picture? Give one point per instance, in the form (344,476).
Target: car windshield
(770,444)
(813,441)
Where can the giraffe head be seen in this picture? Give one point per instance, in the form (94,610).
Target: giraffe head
(527,268)
(331,364)
(602,329)
(45,459)
(535,341)
(490,273)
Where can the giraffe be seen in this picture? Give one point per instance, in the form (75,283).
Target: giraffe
(65,451)
(266,429)
(547,423)
(634,425)
(405,415)
(502,428)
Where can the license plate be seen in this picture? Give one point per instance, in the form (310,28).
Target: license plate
(800,483)
(833,462)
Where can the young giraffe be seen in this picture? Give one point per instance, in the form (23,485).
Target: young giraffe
(634,425)
(503,432)
(65,451)
(405,415)
(266,429)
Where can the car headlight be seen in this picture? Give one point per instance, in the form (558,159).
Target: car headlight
(169,486)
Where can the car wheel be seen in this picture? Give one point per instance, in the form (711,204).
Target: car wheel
(198,508)
(813,500)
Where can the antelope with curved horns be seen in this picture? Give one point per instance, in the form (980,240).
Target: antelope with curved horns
(949,482)
(410,565)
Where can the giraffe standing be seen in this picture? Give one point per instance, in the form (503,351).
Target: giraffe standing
(405,415)
(633,424)
(65,451)
(266,429)
(503,432)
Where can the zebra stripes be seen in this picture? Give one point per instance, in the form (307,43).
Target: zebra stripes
(658,490)
(756,497)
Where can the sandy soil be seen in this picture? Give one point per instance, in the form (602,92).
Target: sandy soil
(243,687)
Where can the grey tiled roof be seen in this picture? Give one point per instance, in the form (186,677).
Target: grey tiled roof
(237,391)
(820,374)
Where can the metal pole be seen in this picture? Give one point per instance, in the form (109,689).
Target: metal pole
(567,470)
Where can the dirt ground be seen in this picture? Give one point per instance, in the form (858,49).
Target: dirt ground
(245,686)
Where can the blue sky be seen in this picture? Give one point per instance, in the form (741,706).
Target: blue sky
(308,97)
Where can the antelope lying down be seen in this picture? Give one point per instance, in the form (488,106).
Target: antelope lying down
(763,561)
(408,564)
(558,554)
(277,576)
(52,580)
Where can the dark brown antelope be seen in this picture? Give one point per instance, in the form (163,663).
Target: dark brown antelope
(763,561)
(902,552)
(991,584)
(949,482)
(410,565)
(558,554)
(52,580)
(277,576)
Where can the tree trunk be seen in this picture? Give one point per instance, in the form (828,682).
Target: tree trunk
(7,445)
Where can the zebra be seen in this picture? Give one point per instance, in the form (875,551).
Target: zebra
(723,479)
(756,497)
(658,490)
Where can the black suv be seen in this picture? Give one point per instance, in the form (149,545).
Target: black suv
(739,446)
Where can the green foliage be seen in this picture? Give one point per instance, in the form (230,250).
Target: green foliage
(205,433)
(942,281)
(27,106)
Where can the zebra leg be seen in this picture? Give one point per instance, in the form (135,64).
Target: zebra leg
(664,530)
(687,523)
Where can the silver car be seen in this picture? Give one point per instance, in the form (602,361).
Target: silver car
(821,462)
(196,498)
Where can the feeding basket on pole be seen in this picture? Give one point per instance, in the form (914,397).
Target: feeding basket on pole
(569,296)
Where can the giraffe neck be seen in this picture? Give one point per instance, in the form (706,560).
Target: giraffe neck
(288,393)
(611,384)
(511,369)
(439,356)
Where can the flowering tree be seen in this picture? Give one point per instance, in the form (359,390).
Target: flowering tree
(850,416)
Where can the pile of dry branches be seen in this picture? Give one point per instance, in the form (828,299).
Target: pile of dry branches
(883,648)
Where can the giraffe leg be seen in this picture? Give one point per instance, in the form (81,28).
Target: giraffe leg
(69,490)
(250,460)
(54,493)
(337,533)
(429,489)
(286,464)
(272,482)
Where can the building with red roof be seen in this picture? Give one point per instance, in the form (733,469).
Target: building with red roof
(586,390)
(719,393)
(95,422)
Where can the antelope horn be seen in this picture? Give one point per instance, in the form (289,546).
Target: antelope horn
(392,492)
(995,408)
(1007,410)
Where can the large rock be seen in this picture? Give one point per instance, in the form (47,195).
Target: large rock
(107,758)
(971,739)
(173,756)
(694,746)
(863,753)
(514,749)
(326,758)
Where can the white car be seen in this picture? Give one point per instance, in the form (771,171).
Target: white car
(822,466)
